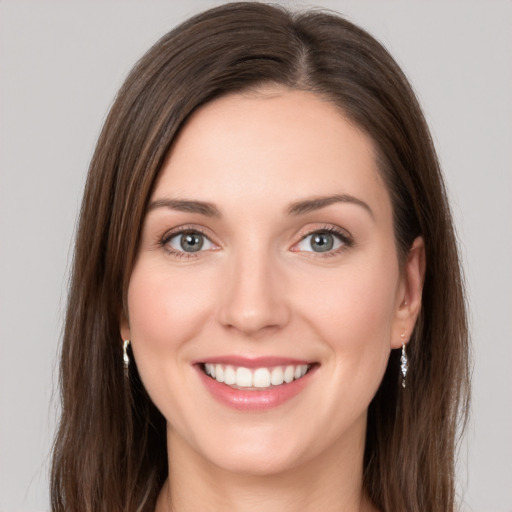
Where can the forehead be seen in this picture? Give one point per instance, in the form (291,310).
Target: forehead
(273,142)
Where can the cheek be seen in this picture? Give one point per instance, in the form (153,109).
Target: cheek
(354,308)
(165,310)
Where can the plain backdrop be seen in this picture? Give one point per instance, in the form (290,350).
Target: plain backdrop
(60,66)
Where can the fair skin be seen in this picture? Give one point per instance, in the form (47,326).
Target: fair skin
(258,275)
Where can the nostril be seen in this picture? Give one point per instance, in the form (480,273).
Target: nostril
(251,302)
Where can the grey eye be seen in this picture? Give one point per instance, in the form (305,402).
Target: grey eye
(320,241)
(190,241)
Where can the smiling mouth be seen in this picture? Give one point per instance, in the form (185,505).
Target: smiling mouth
(257,379)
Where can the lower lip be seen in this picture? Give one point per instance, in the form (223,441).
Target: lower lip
(254,400)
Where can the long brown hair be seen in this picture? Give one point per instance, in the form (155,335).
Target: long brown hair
(110,450)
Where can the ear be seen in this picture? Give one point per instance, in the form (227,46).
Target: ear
(409,294)
(124,327)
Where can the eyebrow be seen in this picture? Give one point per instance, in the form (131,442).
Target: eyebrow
(316,203)
(296,208)
(186,205)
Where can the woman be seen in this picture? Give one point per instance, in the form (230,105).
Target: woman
(266,309)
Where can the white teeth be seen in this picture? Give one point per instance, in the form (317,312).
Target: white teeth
(289,373)
(243,377)
(219,373)
(229,375)
(260,378)
(277,376)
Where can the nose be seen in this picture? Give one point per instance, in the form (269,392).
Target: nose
(253,297)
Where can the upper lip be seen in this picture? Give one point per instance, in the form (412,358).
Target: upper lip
(253,362)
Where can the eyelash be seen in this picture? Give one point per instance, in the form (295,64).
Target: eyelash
(346,240)
(181,231)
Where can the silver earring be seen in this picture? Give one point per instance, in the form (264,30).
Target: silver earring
(126,357)
(404,363)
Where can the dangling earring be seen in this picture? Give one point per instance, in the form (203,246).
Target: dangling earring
(126,357)
(404,363)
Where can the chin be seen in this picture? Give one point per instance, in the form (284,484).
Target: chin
(261,452)
(257,463)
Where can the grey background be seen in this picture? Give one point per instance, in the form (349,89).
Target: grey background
(60,66)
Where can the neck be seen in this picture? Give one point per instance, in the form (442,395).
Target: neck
(331,482)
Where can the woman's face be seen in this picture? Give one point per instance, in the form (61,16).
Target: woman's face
(268,251)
